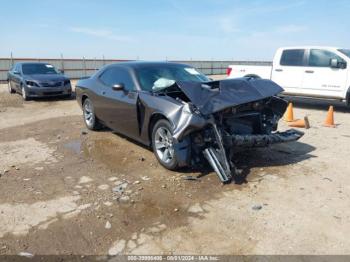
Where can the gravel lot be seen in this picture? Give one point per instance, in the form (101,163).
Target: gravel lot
(65,190)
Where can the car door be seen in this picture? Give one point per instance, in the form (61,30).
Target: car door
(288,72)
(320,79)
(16,78)
(118,107)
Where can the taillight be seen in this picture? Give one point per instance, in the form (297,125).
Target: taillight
(228,71)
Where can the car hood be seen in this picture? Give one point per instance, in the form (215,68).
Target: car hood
(215,96)
(41,78)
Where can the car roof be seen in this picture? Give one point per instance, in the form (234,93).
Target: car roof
(311,47)
(142,64)
(39,63)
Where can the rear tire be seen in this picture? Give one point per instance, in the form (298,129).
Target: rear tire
(9,86)
(162,144)
(90,118)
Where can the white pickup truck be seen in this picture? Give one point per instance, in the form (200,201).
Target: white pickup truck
(309,71)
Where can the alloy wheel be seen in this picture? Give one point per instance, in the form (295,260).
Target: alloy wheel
(164,144)
(88,113)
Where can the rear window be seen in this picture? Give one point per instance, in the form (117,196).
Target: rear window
(293,57)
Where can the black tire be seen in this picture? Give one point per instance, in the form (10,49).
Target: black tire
(253,76)
(169,160)
(69,96)
(24,93)
(9,86)
(89,116)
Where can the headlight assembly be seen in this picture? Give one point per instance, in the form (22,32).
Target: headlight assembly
(31,83)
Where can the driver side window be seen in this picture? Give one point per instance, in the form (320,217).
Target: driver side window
(322,58)
(113,76)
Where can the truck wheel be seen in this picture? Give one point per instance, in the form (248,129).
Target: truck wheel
(162,144)
(253,76)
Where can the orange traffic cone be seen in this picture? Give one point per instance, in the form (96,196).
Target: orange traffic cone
(329,122)
(302,123)
(288,115)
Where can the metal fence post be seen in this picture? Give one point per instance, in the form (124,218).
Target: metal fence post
(84,65)
(62,63)
(11,60)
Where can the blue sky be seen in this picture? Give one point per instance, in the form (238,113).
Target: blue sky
(169,29)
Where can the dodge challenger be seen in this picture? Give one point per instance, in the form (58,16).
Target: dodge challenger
(182,114)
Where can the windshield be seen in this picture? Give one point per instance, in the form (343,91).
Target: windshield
(154,78)
(35,69)
(345,52)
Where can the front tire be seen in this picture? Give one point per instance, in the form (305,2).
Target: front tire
(24,93)
(162,144)
(9,86)
(90,118)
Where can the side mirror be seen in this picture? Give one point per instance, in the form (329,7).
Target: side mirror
(118,87)
(335,63)
(16,73)
(61,71)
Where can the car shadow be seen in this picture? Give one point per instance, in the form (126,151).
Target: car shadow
(54,98)
(274,156)
(245,160)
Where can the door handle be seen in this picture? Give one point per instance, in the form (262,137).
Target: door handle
(103,92)
(279,70)
(309,71)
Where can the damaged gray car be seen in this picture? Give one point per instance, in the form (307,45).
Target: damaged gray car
(183,115)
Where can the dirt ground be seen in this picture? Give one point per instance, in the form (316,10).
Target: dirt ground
(65,190)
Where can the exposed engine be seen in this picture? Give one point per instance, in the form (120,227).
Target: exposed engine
(217,130)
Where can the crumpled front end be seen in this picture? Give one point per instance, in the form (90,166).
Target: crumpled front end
(222,116)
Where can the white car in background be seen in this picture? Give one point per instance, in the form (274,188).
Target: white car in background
(308,71)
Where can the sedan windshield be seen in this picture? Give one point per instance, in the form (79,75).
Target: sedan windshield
(345,52)
(36,69)
(154,78)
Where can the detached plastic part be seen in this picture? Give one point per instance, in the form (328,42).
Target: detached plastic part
(266,140)
(217,157)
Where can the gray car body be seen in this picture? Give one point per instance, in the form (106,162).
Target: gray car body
(133,113)
(142,108)
(48,85)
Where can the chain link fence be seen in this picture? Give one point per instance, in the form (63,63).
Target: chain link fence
(77,68)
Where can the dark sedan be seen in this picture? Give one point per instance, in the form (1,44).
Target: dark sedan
(182,114)
(37,80)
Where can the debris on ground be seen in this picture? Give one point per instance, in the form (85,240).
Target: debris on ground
(190,178)
(124,199)
(85,179)
(120,188)
(108,225)
(26,254)
(257,207)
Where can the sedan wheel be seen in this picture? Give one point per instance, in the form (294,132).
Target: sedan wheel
(89,115)
(163,147)
(9,86)
(24,94)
